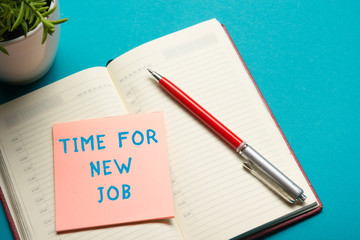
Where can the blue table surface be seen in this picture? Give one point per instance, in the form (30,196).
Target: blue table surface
(304,56)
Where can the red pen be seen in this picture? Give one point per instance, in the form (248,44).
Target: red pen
(255,163)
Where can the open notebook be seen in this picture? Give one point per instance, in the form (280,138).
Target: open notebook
(214,197)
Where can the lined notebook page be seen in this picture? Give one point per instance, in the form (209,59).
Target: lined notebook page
(26,148)
(215,197)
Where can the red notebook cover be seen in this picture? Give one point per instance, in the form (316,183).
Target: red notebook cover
(262,233)
(8,215)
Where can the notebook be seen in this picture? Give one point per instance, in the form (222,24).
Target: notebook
(214,196)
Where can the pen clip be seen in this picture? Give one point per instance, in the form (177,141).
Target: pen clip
(267,181)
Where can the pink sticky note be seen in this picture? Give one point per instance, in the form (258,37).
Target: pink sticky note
(110,171)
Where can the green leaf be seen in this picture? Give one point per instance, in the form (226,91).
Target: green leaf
(27,13)
(2,49)
(24,27)
(59,21)
(37,4)
(44,35)
(43,9)
(2,30)
(46,14)
(20,17)
(47,23)
(35,24)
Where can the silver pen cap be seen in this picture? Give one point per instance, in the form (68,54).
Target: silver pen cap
(270,175)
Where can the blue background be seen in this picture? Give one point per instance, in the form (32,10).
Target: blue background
(304,56)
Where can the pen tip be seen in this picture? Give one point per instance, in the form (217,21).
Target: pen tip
(155,74)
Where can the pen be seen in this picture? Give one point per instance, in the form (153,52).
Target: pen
(254,162)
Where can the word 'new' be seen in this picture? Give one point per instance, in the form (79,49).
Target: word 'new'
(96,167)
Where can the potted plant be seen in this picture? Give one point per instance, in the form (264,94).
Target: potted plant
(29,36)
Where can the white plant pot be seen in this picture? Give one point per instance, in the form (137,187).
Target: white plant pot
(28,59)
